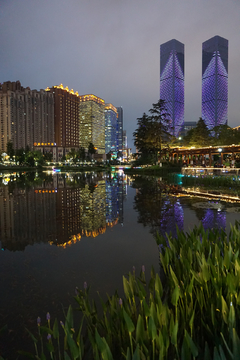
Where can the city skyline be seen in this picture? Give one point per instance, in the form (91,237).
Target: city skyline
(112,49)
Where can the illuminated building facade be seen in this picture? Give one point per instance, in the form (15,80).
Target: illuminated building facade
(92,122)
(120,128)
(111,134)
(26,116)
(172,82)
(215,81)
(66,117)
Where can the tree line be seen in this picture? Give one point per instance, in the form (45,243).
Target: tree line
(36,157)
(153,136)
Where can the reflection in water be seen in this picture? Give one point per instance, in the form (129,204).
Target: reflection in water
(163,213)
(171,216)
(59,210)
(214,219)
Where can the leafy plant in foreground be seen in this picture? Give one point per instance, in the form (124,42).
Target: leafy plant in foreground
(191,314)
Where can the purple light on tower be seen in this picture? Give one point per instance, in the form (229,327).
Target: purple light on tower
(172,82)
(215,82)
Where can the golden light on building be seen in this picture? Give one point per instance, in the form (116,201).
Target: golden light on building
(63,88)
(111,107)
(91,97)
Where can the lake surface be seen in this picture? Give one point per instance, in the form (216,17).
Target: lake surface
(59,230)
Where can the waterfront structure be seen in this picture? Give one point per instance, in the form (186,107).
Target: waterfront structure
(26,116)
(111,135)
(215,81)
(92,122)
(172,83)
(120,128)
(66,118)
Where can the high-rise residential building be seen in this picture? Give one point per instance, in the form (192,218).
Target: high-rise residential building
(66,118)
(26,116)
(215,81)
(172,83)
(111,134)
(125,139)
(92,122)
(120,128)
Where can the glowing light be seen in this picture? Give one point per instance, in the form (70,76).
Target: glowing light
(91,97)
(110,107)
(215,92)
(172,85)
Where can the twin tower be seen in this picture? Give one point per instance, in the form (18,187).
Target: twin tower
(214,82)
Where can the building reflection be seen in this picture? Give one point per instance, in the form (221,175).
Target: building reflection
(171,217)
(115,190)
(214,219)
(26,217)
(58,211)
(164,213)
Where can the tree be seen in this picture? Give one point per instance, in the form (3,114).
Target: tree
(142,134)
(153,131)
(81,153)
(91,149)
(71,154)
(27,149)
(162,125)
(48,156)
(10,149)
(225,135)
(20,156)
(30,160)
(199,136)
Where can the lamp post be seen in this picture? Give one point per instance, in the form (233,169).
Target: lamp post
(220,152)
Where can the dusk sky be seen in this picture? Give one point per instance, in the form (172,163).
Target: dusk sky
(111,48)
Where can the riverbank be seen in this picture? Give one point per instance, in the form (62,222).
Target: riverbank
(153,170)
(67,168)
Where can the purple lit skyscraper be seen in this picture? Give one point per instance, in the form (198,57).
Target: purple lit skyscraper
(215,81)
(172,82)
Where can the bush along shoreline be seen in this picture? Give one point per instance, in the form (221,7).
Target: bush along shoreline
(193,312)
(226,181)
(153,170)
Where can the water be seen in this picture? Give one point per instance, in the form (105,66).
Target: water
(60,230)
